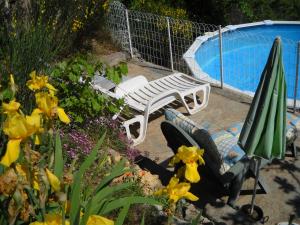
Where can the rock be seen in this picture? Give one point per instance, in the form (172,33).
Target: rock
(159,213)
(150,183)
(114,155)
(192,212)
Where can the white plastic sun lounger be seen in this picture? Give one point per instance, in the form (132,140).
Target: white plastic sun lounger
(147,97)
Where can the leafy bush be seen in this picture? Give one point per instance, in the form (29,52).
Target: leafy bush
(35,32)
(78,98)
(165,8)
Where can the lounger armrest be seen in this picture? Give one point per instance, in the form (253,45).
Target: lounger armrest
(104,91)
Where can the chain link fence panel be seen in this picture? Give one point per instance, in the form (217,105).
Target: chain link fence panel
(149,34)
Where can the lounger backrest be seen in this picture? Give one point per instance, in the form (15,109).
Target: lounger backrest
(130,85)
(211,155)
(175,136)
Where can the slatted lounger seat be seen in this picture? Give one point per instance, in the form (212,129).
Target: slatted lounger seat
(147,97)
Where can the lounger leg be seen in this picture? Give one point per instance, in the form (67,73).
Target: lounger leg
(236,185)
(143,127)
(197,107)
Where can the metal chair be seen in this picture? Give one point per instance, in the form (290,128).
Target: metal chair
(231,181)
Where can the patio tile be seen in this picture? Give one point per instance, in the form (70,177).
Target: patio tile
(282,177)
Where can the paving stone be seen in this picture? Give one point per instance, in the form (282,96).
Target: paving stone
(222,213)
(282,176)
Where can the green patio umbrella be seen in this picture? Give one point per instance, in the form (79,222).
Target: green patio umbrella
(263,133)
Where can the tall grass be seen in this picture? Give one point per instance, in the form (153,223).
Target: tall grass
(33,33)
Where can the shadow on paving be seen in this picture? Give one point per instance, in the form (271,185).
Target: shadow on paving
(208,190)
(205,189)
(287,186)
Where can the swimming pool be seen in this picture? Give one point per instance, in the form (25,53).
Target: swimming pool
(245,51)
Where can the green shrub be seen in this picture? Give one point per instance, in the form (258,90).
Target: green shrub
(36,185)
(78,98)
(35,32)
(165,8)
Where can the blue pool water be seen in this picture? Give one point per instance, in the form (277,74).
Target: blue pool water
(245,52)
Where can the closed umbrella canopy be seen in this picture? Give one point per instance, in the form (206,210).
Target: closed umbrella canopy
(263,133)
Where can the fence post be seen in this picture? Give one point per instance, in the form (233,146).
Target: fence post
(129,34)
(221,55)
(170,43)
(297,74)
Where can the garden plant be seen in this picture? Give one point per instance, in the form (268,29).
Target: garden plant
(35,186)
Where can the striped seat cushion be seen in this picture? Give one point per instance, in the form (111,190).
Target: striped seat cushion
(235,129)
(291,130)
(187,124)
(228,148)
(293,119)
(182,121)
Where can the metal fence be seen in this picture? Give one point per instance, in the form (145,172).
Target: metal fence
(157,39)
(163,41)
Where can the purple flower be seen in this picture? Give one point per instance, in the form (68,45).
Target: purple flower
(78,144)
(132,153)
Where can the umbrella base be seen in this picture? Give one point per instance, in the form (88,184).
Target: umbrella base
(257,214)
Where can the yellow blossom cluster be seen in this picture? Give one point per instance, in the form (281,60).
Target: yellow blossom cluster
(105,5)
(85,12)
(77,25)
(18,127)
(175,190)
(27,173)
(175,13)
(191,157)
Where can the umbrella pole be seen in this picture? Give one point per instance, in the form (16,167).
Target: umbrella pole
(257,167)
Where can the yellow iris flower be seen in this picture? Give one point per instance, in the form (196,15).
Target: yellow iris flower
(39,82)
(176,191)
(18,127)
(48,105)
(53,180)
(97,220)
(54,219)
(11,107)
(189,156)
